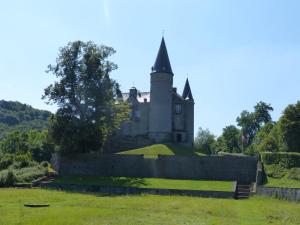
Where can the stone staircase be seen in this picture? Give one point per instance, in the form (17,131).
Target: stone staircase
(242,190)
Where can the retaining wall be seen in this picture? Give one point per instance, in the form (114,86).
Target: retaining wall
(291,194)
(230,168)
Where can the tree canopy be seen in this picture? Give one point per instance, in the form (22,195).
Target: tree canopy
(290,126)
(86,96)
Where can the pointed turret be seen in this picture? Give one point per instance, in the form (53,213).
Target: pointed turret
(187,93)
(162,62)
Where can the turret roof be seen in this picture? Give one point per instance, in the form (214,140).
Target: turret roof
(187,93)
(162,62)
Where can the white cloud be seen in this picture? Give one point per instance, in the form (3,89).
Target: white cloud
(106,11)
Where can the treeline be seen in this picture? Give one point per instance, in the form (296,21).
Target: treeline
(255,132)
(22,117)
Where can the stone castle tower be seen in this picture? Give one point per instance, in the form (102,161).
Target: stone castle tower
(161,115)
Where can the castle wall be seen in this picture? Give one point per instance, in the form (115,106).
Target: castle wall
(230,168)
(139,124)
(189,121)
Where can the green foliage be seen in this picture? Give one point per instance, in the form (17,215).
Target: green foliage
(22,117)
(251,122)
(230,140)
(7,178)
(88,110)
(205,142)
(33,143)
(23,160)
(294,173)
(6,160)
(29,174)
(283,159)
(290,126)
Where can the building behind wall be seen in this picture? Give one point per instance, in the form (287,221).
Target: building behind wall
(161,115)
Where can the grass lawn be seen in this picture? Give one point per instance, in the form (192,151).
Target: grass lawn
(161,149)
(148,183)
(67,208)
(283,182)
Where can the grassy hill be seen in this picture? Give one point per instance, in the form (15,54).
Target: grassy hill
(153,151)
(17,116)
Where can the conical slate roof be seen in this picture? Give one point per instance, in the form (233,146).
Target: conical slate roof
(187,93)
(162,62)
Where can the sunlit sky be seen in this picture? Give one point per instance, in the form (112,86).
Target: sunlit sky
(236,53)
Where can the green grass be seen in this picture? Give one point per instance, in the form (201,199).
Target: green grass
(67,208)
(148,183)
(162,149)
(282,182)
(281,177)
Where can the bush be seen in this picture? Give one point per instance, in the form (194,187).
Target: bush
(6,161)
(275,171)
(294,174)
(30,173)
(45,164)
(285,160)
(23,160)
(7,178)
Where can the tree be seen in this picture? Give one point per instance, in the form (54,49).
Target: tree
(262,113)
(205,142)
(251,122)
(86,97)
(231,137)
(290,126)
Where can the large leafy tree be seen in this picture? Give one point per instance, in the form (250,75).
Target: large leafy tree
(205,141)
(231,137)
(290,126)
(251,122)
(86,97)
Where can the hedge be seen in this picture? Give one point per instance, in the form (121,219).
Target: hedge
(284,159)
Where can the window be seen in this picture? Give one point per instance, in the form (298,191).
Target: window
(178,108)
(178,138)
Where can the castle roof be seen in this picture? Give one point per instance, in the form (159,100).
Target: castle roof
(141,96)
(162,62)
(187,93)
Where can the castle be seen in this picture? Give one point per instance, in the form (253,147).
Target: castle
(162,115)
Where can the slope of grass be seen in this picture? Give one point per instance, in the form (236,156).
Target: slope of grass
(282,182)
(67,208)
(148,183)
(282,177)
(162,149)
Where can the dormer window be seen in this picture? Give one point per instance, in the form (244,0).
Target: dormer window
(178,108)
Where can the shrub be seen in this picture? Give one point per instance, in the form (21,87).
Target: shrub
(23,160)
(294,174)
(283,159)
(29,174)
(45,164)
(6,161)
(7,178)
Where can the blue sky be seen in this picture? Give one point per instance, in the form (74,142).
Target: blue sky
(236,53)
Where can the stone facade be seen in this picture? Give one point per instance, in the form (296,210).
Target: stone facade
(162,114)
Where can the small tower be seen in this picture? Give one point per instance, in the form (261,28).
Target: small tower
(160,116)
(189,106)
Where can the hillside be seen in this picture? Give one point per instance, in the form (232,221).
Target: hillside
(17,116)
(162,149)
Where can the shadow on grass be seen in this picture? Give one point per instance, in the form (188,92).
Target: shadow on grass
(102,181)
(183,150)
